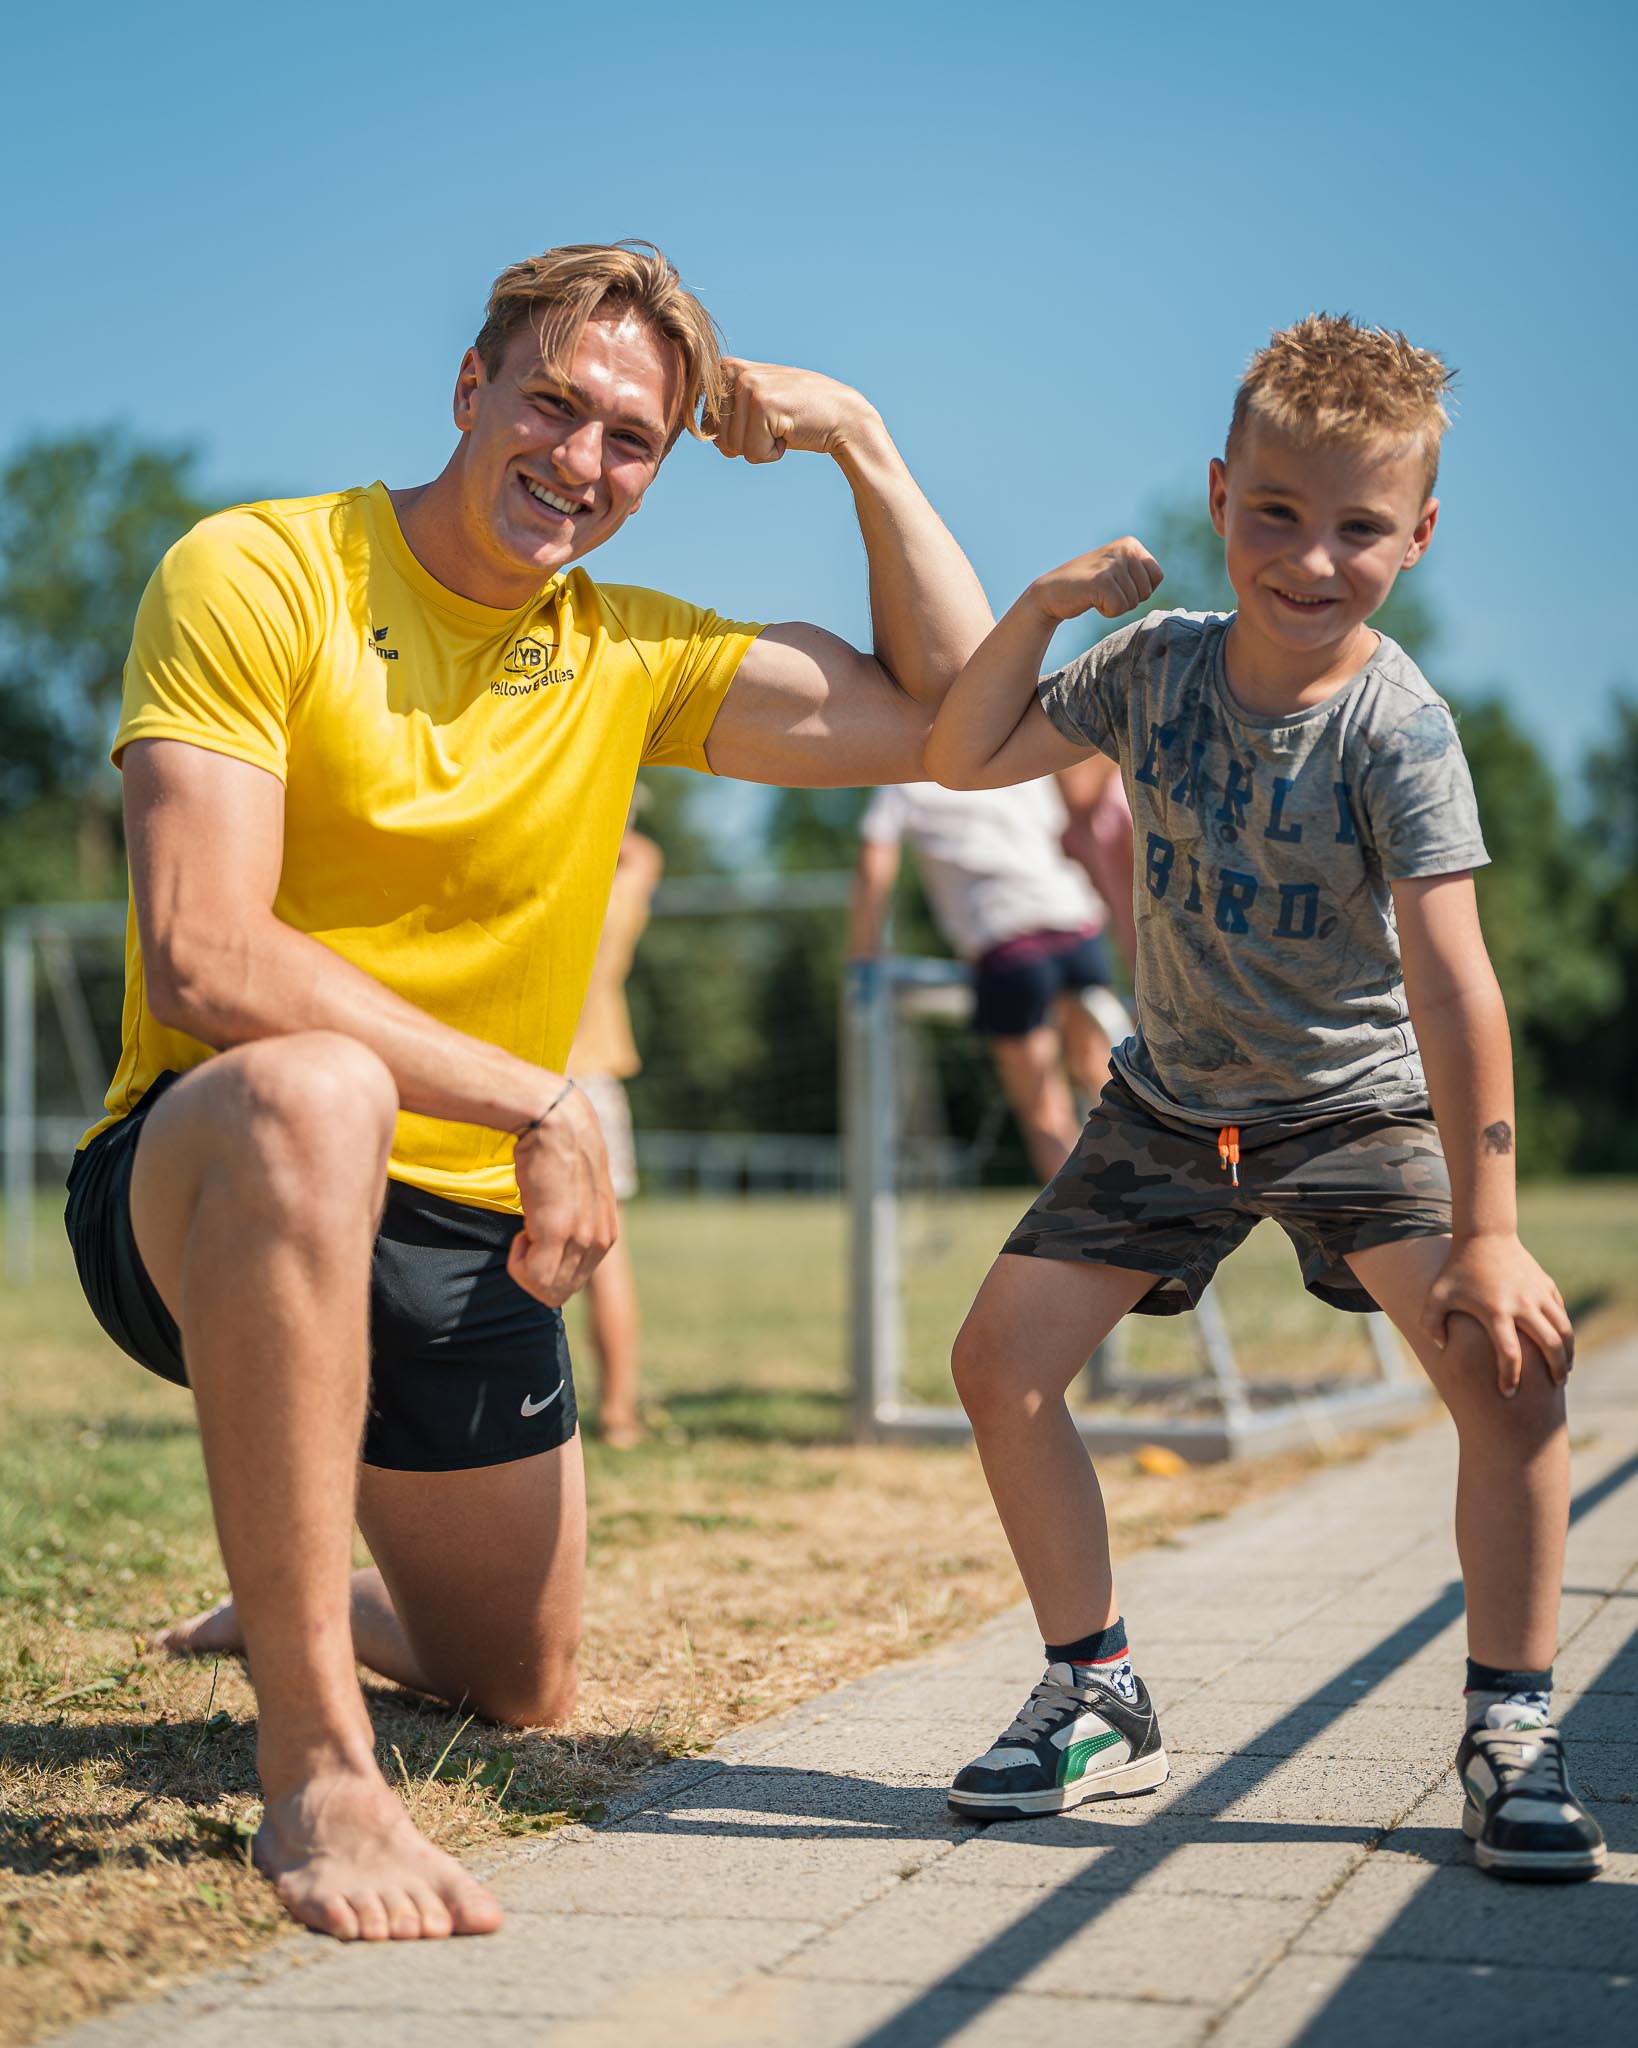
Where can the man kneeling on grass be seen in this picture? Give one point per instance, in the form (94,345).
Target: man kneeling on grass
(378,751)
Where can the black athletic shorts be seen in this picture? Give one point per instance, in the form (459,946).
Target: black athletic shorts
(1016,984)
(466,1369)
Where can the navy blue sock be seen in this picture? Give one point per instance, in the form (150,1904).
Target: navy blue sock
(1489,1685)
(1101,1658)
(1092,1649)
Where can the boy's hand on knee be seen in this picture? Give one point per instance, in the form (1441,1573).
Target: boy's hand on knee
(1496,1282)
(1111,580)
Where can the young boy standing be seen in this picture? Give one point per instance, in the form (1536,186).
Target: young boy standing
(1321,1040)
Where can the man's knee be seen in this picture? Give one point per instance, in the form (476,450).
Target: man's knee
(539,1693)
(314,1113)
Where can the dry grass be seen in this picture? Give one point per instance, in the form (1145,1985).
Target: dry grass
(721,1588)
(740,1561)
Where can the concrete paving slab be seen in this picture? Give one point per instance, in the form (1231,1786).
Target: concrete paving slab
(1455,1914)
(783,2012)
(1209,1726)
(655,1869)
(1079,1944)
(1310,2001)
(1363,1792)
(521,1972)
(1266,1860)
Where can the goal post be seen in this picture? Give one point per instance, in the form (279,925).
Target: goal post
(40,952)
(1233,1416)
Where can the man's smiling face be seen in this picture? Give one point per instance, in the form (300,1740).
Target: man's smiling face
(554,461)
(1314,537)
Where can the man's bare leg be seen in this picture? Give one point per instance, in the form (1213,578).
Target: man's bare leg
(254,1196)
(379,1642)
(1513,1479)
(1086,1048)
(1030,1068)
(485,1569)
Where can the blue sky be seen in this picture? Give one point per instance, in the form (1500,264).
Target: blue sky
(1043,238)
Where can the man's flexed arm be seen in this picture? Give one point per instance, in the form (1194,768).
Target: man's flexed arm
(800,690)
(206,839)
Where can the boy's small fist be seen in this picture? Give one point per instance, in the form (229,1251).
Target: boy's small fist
(1111,580)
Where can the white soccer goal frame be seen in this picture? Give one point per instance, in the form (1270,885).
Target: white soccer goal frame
(1250,1418)
(40,936)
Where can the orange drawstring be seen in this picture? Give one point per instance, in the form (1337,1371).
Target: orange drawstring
(1228,1150)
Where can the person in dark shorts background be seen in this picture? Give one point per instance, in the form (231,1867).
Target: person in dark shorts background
(378,749)
(1010,900)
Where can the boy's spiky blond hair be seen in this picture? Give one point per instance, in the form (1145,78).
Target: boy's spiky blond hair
(1327,379)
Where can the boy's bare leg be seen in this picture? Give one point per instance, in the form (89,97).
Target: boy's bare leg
(1513,1483)
(1028,1334)
(254,1197)
(611,1309)
(1031,1072)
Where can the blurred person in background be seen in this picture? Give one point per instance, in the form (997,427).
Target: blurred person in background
(602,1059)
(1011,901)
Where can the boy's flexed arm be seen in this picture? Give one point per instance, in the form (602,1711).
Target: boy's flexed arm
(1461,1025)
(991,729)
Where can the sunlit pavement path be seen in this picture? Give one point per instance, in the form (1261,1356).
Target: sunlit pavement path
(1299,1880)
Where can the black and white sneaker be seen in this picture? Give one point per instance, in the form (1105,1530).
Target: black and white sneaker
(1068,1743)
(1522,1814)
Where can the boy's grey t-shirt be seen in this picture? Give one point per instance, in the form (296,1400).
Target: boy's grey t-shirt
(1268,976)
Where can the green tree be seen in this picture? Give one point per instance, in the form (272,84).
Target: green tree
(1590,1049)
(84,518)
(1541,908)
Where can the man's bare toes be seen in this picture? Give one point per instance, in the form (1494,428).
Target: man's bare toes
(374,1921)
(325,1912)
(473,1910)
(404,1917)
(437,1922)
(215,1633)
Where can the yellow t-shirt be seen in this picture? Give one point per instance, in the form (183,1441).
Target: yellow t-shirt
(456,778)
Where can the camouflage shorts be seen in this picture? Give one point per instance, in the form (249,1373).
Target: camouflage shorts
(1153,1197)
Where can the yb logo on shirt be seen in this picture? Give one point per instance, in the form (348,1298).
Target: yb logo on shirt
(527,668)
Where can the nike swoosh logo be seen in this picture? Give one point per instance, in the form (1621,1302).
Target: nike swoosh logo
(534,1407)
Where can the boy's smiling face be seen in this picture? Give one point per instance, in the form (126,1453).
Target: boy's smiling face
(1314,538)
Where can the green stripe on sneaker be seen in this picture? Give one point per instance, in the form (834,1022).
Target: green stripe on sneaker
(1076,1757)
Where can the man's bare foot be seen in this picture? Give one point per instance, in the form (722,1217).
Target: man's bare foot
(215,1633)
(346,1859)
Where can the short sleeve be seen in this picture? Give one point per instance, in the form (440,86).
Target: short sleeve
(1420,809)
(691,656)
(1085,698)
(224,631)
(885,817)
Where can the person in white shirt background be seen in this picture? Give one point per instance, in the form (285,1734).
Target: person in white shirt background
(1014,904)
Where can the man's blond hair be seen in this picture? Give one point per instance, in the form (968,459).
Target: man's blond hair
(1328,380)
(556,293)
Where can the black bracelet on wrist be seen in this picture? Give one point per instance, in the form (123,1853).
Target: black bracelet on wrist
(535,1122)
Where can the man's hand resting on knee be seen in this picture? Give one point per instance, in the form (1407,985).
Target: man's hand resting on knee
(569,1214)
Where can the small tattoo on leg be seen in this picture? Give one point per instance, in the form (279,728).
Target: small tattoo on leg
(1498,1137)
